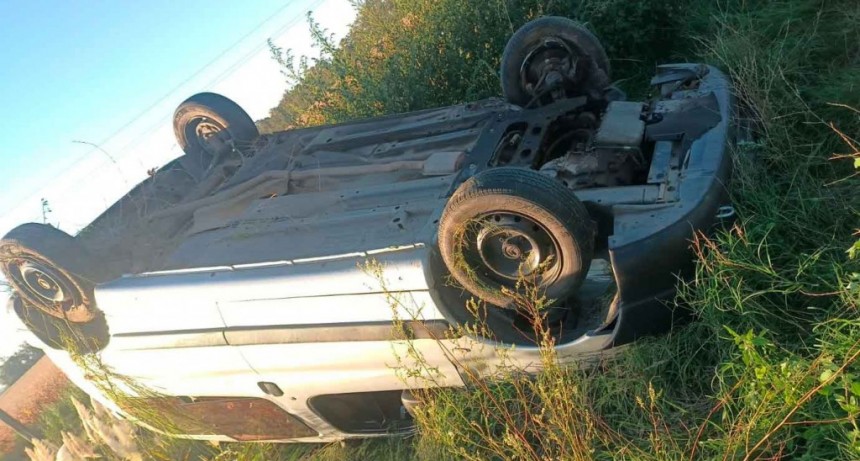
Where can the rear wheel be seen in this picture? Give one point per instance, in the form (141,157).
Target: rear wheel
(209,127)
(81,338)
(53,276)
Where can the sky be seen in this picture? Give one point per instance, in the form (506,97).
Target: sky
(88,91)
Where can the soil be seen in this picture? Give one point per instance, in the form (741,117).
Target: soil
(41,386)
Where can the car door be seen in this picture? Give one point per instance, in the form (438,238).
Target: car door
(167,336)
(320,331)
(168,351)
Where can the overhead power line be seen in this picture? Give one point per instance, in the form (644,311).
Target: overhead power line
(199,71)
(221,77)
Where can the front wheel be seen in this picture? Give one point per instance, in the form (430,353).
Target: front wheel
(506,225)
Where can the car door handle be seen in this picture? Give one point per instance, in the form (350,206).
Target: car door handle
(270,388)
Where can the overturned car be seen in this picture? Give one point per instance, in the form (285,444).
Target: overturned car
(255,281)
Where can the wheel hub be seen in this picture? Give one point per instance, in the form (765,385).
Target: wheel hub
(512,249)
(206,129)
(47,288)
(211,136)
(42,282)
(547,68)
(512,246)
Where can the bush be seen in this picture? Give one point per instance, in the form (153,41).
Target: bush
(406,55)
(769,368)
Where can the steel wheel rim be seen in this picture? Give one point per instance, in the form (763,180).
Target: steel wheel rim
(46,287)
(512,246)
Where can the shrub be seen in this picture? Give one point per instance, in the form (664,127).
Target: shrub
(406,55)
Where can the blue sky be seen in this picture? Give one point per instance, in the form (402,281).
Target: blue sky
(77,70)
(81,71)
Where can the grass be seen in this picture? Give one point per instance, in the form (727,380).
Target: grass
(768,369)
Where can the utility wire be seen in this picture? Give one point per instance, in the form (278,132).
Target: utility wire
(220,77)
(175,88)
(195,74)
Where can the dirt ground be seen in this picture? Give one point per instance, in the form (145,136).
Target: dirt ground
(39,387)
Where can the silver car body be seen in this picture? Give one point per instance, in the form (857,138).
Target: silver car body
(274,286)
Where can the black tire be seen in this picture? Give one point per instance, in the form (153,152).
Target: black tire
(218,115)
(80,338)
(593,70)
(505,223)
(50,271)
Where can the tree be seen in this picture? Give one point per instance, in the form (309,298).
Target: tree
(18,363)
(46,209)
